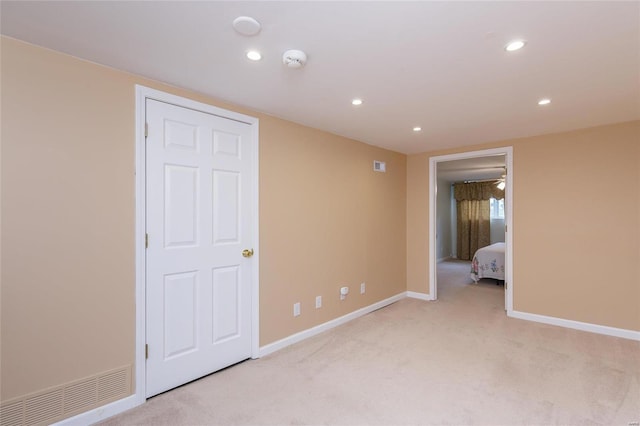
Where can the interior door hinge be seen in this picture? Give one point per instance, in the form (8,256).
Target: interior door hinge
(146,130)
(146,240)
(146,351)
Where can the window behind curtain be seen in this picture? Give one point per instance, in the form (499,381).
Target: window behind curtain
(496,208)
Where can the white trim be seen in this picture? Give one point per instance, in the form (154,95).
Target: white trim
(141,277)
(416,295)
(507,151)
(508,223)
(310,332)
(577,325)
(100,413)
(143,93)
(255,279)
(433,189)
(148,93)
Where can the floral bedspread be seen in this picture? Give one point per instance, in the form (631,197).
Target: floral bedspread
(488,262)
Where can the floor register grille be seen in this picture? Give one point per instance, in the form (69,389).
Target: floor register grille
(67,400)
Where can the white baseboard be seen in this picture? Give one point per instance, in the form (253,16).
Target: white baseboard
(577,325)
(117,407)
(101,413)
(305,334)
(120,406)
(416,295)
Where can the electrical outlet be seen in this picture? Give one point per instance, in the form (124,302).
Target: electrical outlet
(363,287)
(296,309)
(343,292)
(318,302)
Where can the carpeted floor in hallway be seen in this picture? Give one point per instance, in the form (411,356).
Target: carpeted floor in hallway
(459,360)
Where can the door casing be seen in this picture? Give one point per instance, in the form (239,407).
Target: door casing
(508,220)
(143,93)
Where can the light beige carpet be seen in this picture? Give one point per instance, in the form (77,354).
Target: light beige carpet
(459,360)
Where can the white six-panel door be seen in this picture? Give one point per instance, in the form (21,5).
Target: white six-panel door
(198,289)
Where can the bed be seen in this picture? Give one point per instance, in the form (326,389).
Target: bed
(488,262)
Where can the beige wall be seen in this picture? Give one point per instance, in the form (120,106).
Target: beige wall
(326,220)
(576,223)
(67,219)
(68,146)
(67,307)
(418,223)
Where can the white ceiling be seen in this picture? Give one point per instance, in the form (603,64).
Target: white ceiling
(477,168)
(438,65)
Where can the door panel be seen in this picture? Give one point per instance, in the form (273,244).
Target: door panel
(199,208)
(226,292)
(181,206)
(180,313)
(226,198)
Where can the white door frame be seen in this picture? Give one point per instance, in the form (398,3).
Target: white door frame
(433,183)
(143,93)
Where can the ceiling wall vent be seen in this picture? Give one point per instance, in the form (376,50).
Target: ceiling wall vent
(246,25)
(379,166)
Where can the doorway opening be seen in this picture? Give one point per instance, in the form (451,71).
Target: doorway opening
(476,166)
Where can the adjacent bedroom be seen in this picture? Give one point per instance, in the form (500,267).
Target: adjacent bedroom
(470,237)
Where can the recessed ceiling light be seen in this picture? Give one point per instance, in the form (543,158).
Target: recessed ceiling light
(515,45)
(545,101)
(417,129)
(356,102)
(254,55)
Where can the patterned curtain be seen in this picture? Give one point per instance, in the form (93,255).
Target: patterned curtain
(473,227)
(472,201)
(477,191)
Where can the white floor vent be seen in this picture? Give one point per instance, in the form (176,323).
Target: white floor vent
(67,400)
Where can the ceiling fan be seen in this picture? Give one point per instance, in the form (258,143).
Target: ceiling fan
(501,183)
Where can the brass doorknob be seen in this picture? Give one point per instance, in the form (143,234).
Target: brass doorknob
(247,252)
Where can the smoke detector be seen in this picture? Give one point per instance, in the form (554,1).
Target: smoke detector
(294,58)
